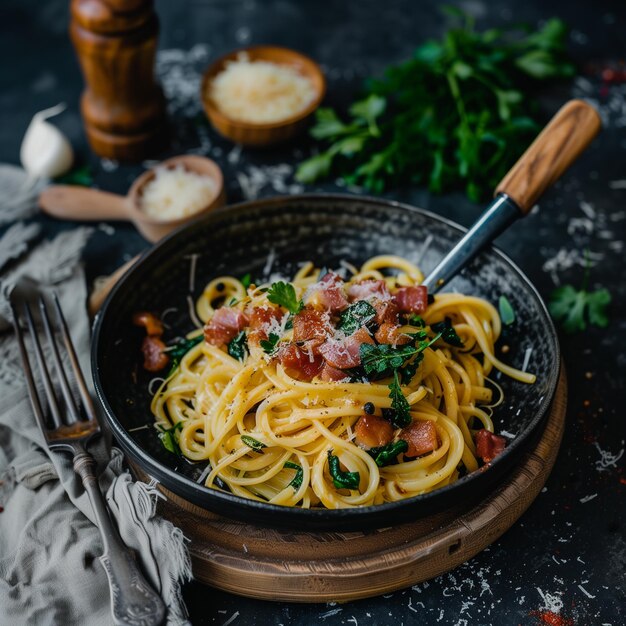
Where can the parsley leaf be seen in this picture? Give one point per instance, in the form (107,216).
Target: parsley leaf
(385,455)
(507,314)
(168,438)
(341,479)
(284,294)
(178,351)
(296,481)
(447,332)
(569,305)
(356,316)
(269,344)
(381,359)
(246,280)
(456,114)
(407,371)
(238,347)
(399,414)
(253,443)
(416,320)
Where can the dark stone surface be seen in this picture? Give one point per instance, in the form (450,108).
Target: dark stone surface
(568,552)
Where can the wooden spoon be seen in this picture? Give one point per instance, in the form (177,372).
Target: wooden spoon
(559,144)
(79,203)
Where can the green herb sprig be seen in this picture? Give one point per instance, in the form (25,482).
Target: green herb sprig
(341,479)
(284,294)
(356,316)
(169,439)
(296,481)
(253,443)
(269,344)
(399,414)
(238,346)
(179,350)
(455,116)
(385,455)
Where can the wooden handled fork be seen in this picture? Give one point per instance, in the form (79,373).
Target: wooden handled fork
(69,425)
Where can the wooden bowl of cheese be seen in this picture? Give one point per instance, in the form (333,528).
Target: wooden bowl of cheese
(262,95)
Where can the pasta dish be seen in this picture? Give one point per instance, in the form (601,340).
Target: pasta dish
(335,389)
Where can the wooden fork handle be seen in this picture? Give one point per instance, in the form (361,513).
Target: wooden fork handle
(558,145)
(133,601)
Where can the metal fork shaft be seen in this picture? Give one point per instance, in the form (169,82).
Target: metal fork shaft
(133,601)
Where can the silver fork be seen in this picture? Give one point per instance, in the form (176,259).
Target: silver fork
(69,426)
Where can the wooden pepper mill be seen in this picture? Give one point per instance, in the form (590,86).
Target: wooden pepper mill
(123,108)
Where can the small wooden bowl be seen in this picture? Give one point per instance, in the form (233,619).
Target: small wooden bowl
(154,229)
(263,134)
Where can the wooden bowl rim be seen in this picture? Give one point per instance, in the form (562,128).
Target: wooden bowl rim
(315,73)
(193,163)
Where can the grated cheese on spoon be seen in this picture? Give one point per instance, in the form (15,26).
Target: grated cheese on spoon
(176,192)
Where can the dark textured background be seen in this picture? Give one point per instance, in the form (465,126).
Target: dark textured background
(568,552)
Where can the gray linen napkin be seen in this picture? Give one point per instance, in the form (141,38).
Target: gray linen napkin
(49,545)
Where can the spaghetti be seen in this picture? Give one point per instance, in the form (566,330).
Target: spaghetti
(333,393)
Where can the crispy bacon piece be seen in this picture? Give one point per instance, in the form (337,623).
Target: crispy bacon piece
(412,299)
(372,431)
(386,311)
(345,354)
(421,435)
(366,289)
(154,359)
(260,318)
(299,364)
(331,374)
(390,333)
(328,294)
(311,326)
(224,325)
(152,324)
(488,445)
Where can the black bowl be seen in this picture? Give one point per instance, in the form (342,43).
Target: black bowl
(274,235)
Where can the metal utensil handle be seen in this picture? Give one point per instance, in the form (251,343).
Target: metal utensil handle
(558,145)
(133,601)
(500,214)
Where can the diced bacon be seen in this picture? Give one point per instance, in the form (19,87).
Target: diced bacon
(224,325)
(386,311)
(298,363)
(311,326)
(372,431)
(345,353)
(390,333)
(328,294)
(421,435)
(331,374)
(412,299)
(488,445)
(367,289)
(261,318)
(154,359)
(152,324)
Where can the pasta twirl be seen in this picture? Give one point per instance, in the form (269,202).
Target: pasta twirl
(293,375)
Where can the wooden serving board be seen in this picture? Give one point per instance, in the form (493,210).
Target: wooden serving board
(297,566)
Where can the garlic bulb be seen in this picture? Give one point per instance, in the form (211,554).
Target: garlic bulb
(45,150)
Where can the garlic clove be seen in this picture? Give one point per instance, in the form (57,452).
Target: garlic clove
(46,151)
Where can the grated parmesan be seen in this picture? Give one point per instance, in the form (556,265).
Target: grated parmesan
(176,192)
(260,91)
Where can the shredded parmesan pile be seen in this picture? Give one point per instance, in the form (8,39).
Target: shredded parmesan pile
(176,192)
(260,91)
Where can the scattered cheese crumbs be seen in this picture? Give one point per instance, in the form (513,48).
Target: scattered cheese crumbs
(176,192)
(260,91)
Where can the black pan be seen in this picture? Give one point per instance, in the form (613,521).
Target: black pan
(324,229)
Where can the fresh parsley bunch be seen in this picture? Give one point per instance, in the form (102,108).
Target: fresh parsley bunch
(456,115)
